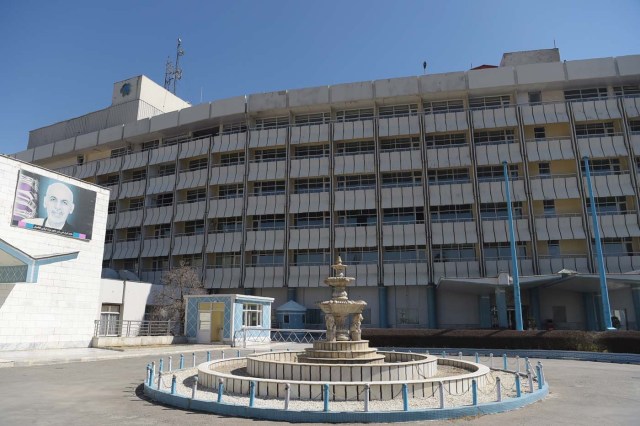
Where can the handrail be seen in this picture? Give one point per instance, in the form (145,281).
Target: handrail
(129,328)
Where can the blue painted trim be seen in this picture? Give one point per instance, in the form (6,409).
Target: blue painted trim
(184,402)
(33,264)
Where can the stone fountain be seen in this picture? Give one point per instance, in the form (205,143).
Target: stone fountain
(343,345)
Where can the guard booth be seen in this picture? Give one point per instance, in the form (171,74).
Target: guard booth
(291,315)
(215,318)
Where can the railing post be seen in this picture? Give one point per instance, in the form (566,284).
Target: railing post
(222,355)
(539,376)
(441,392)
(168,332)
(148,374)
(170,363)
(518,390)
(244,337)
(505,364)
(159,379)
(182,362)
(530,380)
(287,395)
(459,355)
(220,389)
(367,395)
(474,391)
(444,354)
(252,393)
(238,353)
(498,390)
(325,394)
(193,355)
(477,358)
(405,397)
(153,372)
(161,365)
(208,356)
(518,363)
(173,385)
(491,360)
(195,387)
(541,372)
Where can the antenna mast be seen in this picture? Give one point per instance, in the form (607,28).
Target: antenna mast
(173,72)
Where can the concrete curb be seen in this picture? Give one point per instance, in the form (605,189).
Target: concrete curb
(183,402)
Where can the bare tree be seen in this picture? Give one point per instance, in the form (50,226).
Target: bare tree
(177,283)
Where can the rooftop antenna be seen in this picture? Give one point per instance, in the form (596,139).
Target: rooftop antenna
(173,72)
(554,43)
(424,67)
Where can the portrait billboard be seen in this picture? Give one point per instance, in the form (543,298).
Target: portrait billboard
(46,204)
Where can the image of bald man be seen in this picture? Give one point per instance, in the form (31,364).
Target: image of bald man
(58,202)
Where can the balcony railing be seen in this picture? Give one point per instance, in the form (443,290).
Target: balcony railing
(120,328)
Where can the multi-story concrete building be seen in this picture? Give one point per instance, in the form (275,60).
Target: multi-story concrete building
(401,177)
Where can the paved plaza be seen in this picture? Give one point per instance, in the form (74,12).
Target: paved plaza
(107,392)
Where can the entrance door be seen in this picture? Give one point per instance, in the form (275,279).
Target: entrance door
(210,322)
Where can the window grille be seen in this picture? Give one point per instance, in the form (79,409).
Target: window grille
(273,154)
(544,169)
(353,182)
(452,213)
(132,234)
(453,252)
(120,152)
(266,258)
(445,140)
(609,205)
(356,218)
(195,195)
(231,159)
(194,227)
(136,203)
(227,260)
(496,173)
(251,315)
(237,127)
(601,166)
(448,176)
(585,94)
(630,90)
(198,164)
(494,137)
(539,133)
(311,220)
(594,129)
(399,215)
(397,110)
(137,175)
(493,211)
(311,151)
(400,144)
(401,179)
(162,231)
(228,224)
(268,221)
(230,191)
(357,147)
(162,200)
(311,258)
(268,187)
(113,206)
(271,123)
(439,107)
(148,146)
(318,118)
(310,185)
(166,169)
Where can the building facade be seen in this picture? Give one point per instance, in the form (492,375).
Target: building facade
(401,177)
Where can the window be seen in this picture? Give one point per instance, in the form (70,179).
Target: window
(615,247)
(79,160)
(445,140)
(194,227)
(494,137)
(132,234)
(549,208)
(358,256)
(175,140)
(496,173)
(109,180)
(539,133)
(601,166)
(438,107)
(318,118)
(306,186)
(497,251)
(166,169)
(448,176)
(268,221)
(408,316)
(401,179)
(227,260)
(163,200)
(162,231)
(452,213)
(311,151)
(453,252)
(108,236)
(544,169)
(111,209)
(585,94)
(553,248)
(198,164)
(109,320)
(137,175)
(190,260)
(311,220)
(228,224)
(251,315)
(237,127)
(397,110)
(231,159)
(357,147)
(120,152)
(272,123)
(159,263)
(490,102)
(272,154)
(130,264)
(351,182)
(400,144)
(400,215)
(266,258)
(148,146)
(494,211)
(634,126)
(356,218)
(609,205)
(195,195)
(535,97)
(230,191)
(594,130)
(631,90)
(268,187)
(354,115)
(404,254)
(311,258)
(136,203)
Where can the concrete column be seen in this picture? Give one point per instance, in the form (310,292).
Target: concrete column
(432,315)
(292,293)
(635,295)
(599,317)
(382,307)
(484,308)
(534,306)
(589,311)
(501,304)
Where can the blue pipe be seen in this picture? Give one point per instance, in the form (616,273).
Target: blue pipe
(606,309)
(514,254)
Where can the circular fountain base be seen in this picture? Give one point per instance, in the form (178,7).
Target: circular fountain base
(346,352)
